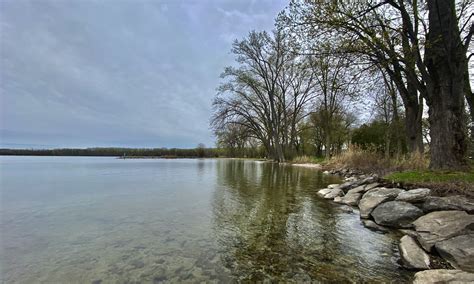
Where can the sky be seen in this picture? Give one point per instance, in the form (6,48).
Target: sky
(124,73)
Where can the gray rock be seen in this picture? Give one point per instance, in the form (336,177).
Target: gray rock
(397,214)
(346,185)
(438,226)
(351,198)
(324,191)
(371,186)
(458,251)
(456,202)
(373,226)
(351,179)
(333,193)
(441,276)
(413,257)
(411,233)
(414,195)
(338,199)
(346,209)
(374,197)
(359,189)
(334,185)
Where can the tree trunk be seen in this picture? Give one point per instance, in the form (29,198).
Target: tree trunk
(445,88)
(413,127)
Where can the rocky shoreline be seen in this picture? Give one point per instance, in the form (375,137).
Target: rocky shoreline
(432,226)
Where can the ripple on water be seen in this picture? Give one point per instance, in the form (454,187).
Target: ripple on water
(181,221)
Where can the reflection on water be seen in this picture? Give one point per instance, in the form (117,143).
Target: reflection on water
(104,220)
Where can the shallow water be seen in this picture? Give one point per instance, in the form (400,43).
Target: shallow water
(107,220)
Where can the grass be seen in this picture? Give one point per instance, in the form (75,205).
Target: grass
(307,160)
(442,183)
(431,176)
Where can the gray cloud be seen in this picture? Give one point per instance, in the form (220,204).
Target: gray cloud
(117,73)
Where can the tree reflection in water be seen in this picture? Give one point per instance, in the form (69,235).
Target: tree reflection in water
(270,224)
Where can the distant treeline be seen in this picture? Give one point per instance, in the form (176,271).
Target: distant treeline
(117,152)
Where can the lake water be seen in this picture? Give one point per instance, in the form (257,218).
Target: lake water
(108,220)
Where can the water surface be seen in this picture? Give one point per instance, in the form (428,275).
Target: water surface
(108,220)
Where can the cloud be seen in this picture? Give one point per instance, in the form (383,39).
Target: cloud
(129,73)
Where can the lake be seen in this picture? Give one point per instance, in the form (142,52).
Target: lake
(108,220)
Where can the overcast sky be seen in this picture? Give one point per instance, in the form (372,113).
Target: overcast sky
(134,73)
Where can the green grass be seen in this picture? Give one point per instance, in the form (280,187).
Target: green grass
(431,177)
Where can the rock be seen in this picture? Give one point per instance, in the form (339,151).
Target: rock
(456,202)
(397,214)
(359,189)
(346,209)
(442,225)
(371,186)
(413,257)
(414,195)
(351,179)
(346,185)
(440,276)
(326,173)
(458,251)
(338,199)
(409,232)
(374,197)
(333,185)
(351,198)
(324,191)
(373,226)
(333,193)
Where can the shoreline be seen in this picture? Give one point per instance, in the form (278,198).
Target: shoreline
(433,228)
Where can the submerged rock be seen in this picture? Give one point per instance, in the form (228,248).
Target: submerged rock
(442,225)
(414,195)
(374,197)
(413,257)
(456,202)
(458,251)
(373,226)
(397,214)
(443,276)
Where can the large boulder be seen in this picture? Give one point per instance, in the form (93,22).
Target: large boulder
(455,202)
(413,257)
(458,251)
(374,197)
(414,195)
(438,226)
(440,276)
(397,214)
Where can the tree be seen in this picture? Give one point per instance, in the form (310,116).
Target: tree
(267,93)
(445,62)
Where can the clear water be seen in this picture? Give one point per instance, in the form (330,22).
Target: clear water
(107,220)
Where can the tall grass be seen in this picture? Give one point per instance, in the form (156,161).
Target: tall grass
(307,160)
(370,160)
